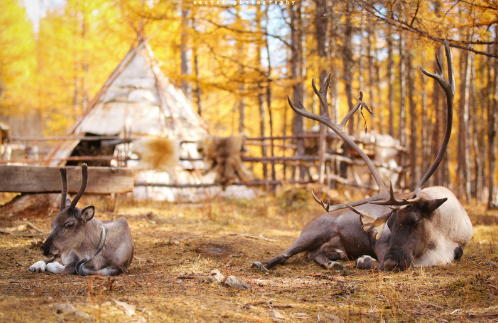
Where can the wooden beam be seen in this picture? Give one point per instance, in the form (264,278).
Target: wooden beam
(45,179)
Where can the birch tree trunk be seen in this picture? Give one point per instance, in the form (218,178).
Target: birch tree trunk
(414,136)
(297,76)
(463,128)
(390,78)
(321,45)
(334,84)
(185,53)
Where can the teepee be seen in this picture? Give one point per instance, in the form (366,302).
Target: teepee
(137,100)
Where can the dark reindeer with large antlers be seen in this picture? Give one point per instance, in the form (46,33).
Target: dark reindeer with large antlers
(424,228)
(86,245)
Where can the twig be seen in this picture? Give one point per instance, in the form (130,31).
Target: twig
(282,306)
(7,232)
(251,237)
(187,277)
(133,281)
(246,305)
(32,226)
(494,287)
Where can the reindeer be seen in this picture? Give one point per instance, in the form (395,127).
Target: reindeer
(86,245)
(424,228)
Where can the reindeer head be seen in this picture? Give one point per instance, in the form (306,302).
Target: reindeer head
(408,227)
(68,226)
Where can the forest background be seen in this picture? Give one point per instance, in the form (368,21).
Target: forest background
(237,63)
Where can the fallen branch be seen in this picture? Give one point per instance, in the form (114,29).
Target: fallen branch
(252,237)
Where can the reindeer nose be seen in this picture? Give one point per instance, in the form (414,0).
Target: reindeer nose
(391,264)
(45,249)
(397,260)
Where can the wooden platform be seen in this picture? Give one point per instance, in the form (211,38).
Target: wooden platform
(44,179)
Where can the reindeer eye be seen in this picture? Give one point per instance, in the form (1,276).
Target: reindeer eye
(69,225)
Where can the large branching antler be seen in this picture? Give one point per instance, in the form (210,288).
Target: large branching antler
(449,90)
(340,129)
(371,223)
(84,181)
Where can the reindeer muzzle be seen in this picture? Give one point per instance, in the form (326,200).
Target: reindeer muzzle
(396,261)
(48,249)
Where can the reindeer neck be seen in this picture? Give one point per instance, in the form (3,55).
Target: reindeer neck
(93,231)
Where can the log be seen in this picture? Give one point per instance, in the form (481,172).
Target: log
(45,179)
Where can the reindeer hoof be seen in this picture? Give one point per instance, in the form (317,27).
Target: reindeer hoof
(366,262)
(260,266)
(38,266)
(337,267)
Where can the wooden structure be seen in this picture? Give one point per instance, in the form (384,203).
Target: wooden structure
(45,179)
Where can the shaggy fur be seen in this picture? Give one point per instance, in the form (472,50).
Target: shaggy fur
(224,156)
(160,154)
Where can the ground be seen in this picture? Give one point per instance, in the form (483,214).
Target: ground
(176,246)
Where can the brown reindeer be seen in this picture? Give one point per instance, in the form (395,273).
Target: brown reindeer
(86,245)
(424,228)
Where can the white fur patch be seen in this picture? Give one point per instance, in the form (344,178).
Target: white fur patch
(449,228)
(38,266)
(362,259)
(55,267)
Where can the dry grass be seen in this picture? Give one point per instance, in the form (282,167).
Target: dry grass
(173,241)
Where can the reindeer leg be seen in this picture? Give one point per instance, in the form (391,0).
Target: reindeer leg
(107,271)
(381,246)
(309,240)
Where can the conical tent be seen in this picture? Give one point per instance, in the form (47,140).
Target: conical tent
(138,98)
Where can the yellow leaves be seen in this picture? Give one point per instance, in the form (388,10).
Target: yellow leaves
(16,58)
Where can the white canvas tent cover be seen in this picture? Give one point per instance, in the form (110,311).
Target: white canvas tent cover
(139,97)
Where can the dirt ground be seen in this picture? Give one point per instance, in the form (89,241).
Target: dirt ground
(176,247)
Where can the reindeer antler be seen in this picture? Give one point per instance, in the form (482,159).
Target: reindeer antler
(84,181)
(63,171)
(341,131)
(449,90)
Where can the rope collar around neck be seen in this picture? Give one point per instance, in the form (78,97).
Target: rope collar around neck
(103,237)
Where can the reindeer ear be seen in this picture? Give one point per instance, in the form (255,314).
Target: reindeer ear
(429,206)
(87,213)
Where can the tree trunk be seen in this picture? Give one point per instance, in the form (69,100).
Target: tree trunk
(402,100)
(372,99)
(347,59)
(390,79)
(261,97)
(414,136)
(186,54)
(361,67)
(321,39)
(198,84)
(463,132)
(268,103)
(334,84)
(492,116)
(297,76)
(474,116)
